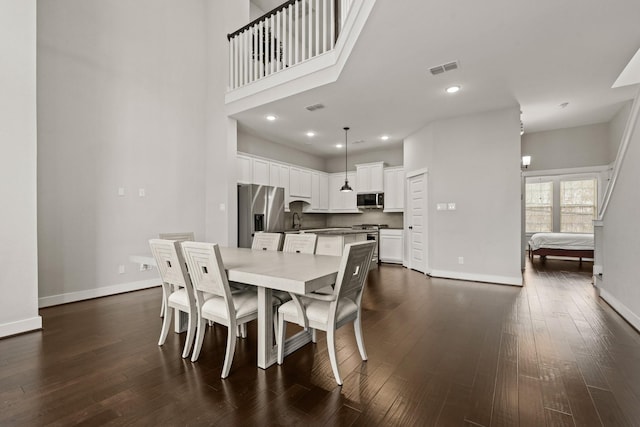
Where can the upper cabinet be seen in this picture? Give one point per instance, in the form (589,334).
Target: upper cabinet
(370,178)
(244,169)
(261,171)
(300,183)
(342,201)
(319,192)
(279,177)
(394,189)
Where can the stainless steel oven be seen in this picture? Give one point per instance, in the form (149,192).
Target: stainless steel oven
(373,234)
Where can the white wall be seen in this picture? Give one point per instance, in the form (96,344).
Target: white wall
(567,148)
(620,242)
(473,161)
(616,129)
(252,144)
(19,252)
(392,156)
(130,95)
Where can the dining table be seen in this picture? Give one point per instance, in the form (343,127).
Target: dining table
(273,270)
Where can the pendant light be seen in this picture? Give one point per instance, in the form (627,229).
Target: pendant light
(346,187)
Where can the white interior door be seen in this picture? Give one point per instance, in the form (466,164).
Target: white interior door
(417,222)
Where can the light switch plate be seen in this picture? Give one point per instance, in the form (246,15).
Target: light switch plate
(451,206)
(441,206)
(121,191)
(142,192)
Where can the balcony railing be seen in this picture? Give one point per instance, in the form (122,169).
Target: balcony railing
(294,32)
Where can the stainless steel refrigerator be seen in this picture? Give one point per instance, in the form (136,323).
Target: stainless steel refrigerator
(260,208)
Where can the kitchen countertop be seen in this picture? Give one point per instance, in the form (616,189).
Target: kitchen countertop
(330,231)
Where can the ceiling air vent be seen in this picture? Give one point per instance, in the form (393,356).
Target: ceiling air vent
(314,107)
(444,67)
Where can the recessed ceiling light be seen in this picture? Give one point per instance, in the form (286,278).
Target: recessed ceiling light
(270,117)
(384,137)
(338,145)
(310,134)
(453,89)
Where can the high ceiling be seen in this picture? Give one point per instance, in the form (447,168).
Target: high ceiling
(536,54)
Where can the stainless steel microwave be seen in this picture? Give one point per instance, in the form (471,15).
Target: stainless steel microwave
(370,201)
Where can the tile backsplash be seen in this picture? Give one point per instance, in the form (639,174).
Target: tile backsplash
(322,220)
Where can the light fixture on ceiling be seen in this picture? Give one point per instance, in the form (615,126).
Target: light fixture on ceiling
(346,187)
(338,145)
(453,89)
(311,134)
(526,161)
(521,128)
(271,117)
(384,137)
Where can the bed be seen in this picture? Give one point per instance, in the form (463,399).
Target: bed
(577,245)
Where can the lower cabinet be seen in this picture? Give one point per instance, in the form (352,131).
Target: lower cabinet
(391,246)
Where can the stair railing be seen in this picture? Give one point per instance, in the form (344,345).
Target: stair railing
(293,32)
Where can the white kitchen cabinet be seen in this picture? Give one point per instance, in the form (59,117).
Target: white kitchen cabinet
(319,192)
(394,182)
(244,169)
(391,246)
(369,178)
(260,171)
(300,183)
(279,177)
(342,201)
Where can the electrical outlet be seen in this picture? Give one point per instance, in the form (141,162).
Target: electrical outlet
(141,192)
(460,260)
(451,206)
(145,267)
(121,269)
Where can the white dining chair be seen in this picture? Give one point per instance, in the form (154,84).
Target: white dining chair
(180,237)
(304,243)
(224,307)
(330,312)
(266,241)
(177,291)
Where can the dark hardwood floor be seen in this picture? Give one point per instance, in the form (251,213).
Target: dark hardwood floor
(441,352)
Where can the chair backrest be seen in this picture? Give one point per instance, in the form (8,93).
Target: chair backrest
(354,267)
(170,263)
(206,268)
(304,243)
(181,237)
(266,241)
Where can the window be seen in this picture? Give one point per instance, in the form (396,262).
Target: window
(578,205)
(539,207)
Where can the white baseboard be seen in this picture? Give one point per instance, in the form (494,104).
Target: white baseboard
(97,292)
(25,325)
(622,309)
(472,277)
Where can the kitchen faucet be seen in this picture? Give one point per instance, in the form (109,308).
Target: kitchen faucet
(296,221)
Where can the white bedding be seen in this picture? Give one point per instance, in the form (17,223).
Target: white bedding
(576,241)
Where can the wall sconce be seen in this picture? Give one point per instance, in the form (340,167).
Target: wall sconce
(526,161)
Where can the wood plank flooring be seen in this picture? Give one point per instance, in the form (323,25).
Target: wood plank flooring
(441,353)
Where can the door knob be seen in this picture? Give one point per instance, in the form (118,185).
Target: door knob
(411,227)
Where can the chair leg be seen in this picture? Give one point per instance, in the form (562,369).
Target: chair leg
(191,332)
(199,339)
(331,347)
(243,330)
(357,326)
(238,331)
(280,338)
(314,335)
(163,308)
(166,325)
(231,349)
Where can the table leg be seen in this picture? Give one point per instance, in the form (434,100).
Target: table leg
(267,351)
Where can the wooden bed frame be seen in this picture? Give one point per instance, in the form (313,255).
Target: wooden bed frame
(574,253)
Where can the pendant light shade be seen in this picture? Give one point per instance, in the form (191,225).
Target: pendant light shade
(346,187)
